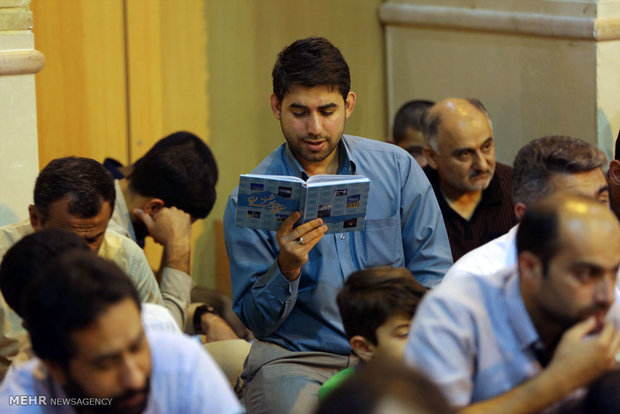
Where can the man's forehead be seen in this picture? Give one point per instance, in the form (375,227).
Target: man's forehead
(587,183)
(112,331)
(59,213)
(317,95)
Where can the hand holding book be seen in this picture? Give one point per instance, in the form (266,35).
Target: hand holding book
(295,243)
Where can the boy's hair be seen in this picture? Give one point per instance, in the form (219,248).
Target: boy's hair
(371,296)
(310,62)
(181,170)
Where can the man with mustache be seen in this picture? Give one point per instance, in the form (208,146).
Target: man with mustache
(285,283)
(94,356)
(474,192)
(526,337)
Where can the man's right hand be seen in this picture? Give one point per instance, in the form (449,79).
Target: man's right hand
(579,358)
(295,243)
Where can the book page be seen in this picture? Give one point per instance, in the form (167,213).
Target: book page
(265,201)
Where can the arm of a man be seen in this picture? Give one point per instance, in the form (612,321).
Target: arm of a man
(442,345)
(425,240)
(577,361)
(172,228)
(265,268)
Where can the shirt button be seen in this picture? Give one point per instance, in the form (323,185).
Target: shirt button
(342,237)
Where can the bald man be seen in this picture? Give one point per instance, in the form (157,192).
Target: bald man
(474,192)
(528,336)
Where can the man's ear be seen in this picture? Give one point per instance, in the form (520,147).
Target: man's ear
(276,106)
(614,172)
(349,104)
(153,205)
(530,270)
(520,210)
(35,218)
(362,347)
(431,157)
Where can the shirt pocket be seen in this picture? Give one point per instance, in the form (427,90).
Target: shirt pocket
(381,243)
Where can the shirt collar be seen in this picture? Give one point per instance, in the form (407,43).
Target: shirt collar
(345,163)
(517,313)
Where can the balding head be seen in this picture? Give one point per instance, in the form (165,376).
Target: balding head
(569,252)
(462,151)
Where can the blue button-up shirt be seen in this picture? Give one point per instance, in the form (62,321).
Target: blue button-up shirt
(473,337)
(404,227)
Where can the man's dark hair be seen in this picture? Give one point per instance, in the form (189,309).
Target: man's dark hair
(537,161)
(181,170)
(84,181)
(310,62)
(431,122)
(379,381)
(410,115)
(70,295)
(538,231)
(371,296)
(28,258)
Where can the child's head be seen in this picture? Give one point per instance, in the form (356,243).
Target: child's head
(376,306)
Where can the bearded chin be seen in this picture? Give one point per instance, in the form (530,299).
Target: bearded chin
(74,390)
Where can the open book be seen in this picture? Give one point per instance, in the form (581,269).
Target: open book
(264,201)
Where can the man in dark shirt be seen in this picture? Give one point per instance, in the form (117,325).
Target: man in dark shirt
(474,192)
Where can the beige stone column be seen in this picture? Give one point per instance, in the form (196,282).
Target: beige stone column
(540,66)
(18,121)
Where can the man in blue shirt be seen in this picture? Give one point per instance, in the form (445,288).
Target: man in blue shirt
(285,283)
(525,338)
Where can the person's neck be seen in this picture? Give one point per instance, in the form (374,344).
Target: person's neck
(328,166)
(463,203)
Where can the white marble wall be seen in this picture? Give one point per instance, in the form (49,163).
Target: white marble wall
(19,164)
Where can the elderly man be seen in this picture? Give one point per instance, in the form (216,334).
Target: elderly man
(526,337)
(473,191)
(543,166)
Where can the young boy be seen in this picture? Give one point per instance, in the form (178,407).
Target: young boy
(376,306)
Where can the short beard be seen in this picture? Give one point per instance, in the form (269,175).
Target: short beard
(74,390)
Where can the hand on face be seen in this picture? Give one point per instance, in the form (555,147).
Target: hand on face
(296,243)
(169,226)
(582,355)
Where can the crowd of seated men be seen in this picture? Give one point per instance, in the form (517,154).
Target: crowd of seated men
(474,286)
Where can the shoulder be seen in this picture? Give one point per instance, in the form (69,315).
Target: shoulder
(367,146)
(503,173)
(488,258)
(125,253)
(174,353)
(23,381)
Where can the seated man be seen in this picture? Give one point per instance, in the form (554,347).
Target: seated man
(541,167)
(285,283)
(77,194)
(83,316)
(407,130)
(27,259)
(474,192)
(526,337)
(376,306)
(174,182)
